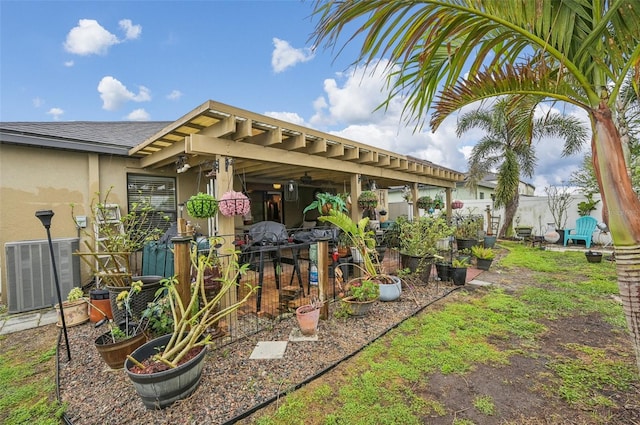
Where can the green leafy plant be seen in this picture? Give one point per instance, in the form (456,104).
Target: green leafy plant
(75,294)
(468,228)
(483,253)
(368,199)
(158,314)
(202,205)
(326,202)
(425,202)
(364,290)
(418,238)
(585,207)
(192,320)
(458,263)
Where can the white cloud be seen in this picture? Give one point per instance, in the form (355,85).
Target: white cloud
(91,38)
(291,117)
(138,115)
(55,113)
(37,102)
(114,94)
(131,31)
(69,64)
(285,56)
(174,95)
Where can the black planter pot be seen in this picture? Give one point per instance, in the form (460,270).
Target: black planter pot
(561,233)
(161,389)
(593,257)
(465,243)
(416,264)
(483,264)
(459,275)
(150,284)
(444,271)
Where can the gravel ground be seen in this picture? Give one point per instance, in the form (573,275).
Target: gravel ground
(231,384)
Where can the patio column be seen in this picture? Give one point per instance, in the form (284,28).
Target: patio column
(226,227)
(356,190)
(415,194)
(448,202)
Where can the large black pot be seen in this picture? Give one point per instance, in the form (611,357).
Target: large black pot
(415,264)
(444,271)
(150,284)
(459,275)
(161,389)
(465,243)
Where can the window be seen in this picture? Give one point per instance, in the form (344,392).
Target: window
(159,191)
(481,195)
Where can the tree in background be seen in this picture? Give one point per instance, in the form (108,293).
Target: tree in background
(447,54)
(510,128)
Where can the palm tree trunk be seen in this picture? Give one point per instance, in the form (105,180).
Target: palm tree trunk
(621,211)
(509,212)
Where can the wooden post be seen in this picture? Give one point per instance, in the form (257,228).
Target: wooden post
(415,194)
(323,276)
(182,265)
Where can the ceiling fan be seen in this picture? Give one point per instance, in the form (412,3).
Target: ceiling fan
(306,179)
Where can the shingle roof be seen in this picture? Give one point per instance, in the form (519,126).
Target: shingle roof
(103,135)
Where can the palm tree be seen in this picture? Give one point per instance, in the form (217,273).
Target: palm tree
(447,54)
(507,146)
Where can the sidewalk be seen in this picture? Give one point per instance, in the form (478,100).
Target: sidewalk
(24,321)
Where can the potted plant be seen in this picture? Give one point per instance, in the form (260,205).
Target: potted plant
(233,203)
(368,199)
(593,256)
(361,294)
(75,309)
(123,338)
(484,256)
(108,249)
(363,244)
(168,368)
(585,207)
(325,201)
(467,231)
(308,316)
(419,241)
(459,271)
(425,202)
(202,205)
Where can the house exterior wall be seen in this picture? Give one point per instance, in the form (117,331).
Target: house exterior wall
(33,179)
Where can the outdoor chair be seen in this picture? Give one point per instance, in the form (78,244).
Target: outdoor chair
(585,226)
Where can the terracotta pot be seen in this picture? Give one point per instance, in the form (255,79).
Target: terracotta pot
(75,313)
(99,305)
(308,317)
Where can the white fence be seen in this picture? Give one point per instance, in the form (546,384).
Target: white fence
(532,211)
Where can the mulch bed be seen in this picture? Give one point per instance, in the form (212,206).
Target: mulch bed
(232,385)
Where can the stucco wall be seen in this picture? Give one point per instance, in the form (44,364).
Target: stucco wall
(33,179)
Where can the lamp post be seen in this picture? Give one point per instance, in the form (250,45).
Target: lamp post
(45,217)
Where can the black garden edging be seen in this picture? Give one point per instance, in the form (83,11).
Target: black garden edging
(267,402)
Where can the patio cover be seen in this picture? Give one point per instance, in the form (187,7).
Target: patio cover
(270,150)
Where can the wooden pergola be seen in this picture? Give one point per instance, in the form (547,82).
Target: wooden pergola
(271,150)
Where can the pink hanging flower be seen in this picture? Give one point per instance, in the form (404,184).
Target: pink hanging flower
(234,203)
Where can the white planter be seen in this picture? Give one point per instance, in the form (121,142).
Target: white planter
(391,291)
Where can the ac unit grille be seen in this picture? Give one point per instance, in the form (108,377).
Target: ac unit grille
(30,280)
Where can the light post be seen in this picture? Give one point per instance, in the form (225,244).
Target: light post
(45,217)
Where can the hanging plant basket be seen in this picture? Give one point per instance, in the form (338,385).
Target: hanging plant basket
(425,202)
(234,203)
(202,205)
(457,204)
(368,199)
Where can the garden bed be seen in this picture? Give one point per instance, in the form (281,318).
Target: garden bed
(232,385)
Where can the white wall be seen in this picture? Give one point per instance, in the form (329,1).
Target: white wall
(533,211)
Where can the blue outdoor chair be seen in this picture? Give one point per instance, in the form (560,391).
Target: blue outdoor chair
(585,226)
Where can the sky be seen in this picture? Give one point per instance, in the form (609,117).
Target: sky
(158,60)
